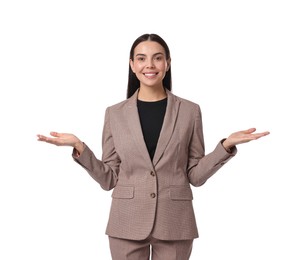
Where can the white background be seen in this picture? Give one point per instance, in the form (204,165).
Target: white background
(63,62)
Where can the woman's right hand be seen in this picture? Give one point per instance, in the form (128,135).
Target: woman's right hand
(62,139)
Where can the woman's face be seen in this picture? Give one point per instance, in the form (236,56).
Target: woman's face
(150,64)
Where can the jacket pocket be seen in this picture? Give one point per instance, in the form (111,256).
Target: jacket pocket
(181,193)
(123,192)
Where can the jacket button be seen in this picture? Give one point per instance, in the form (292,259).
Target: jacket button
(152,173)
(153,195)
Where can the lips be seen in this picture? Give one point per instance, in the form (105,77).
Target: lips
(150,75)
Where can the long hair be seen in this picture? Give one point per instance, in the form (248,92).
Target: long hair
(133,81)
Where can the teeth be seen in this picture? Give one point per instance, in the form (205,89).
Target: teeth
(150,74)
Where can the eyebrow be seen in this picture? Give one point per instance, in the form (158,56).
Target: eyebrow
(141,54)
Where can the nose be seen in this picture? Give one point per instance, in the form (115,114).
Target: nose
(150,63)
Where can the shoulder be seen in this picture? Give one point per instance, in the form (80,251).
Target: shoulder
(123,105)
(186,103)
(188,110)
(118,105)
(121,109)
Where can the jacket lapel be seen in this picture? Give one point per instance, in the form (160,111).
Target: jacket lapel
(166,131)
(168,126)
(132,117)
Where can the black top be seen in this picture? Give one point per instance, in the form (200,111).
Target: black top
(151,115)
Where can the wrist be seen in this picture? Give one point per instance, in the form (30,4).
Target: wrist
(227,146)
(79,146)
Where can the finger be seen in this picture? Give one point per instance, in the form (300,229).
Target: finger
(51,140)
(54,134)
(41,137)
(262,134)
(250,130)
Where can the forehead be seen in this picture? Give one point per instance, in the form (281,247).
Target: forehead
(149,47)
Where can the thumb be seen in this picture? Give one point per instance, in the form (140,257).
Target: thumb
(54,134)
(250,130)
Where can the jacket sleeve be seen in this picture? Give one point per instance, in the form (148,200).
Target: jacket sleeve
(104,171)
(201,166)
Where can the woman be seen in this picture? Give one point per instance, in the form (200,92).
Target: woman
(153,149)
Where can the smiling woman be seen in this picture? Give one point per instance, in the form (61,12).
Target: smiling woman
(153,49)
(153,150)
(150,64)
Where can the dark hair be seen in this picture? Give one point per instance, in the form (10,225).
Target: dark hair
(133,81)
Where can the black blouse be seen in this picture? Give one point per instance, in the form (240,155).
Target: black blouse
(151,115)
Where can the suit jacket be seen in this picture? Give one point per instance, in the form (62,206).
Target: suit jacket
(153,197)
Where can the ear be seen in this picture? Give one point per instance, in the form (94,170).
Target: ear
(168,64)
(132,65)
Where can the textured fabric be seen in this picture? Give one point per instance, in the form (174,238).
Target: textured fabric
(122,249)
(153,197)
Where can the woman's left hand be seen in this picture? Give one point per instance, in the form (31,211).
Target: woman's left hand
(241,137)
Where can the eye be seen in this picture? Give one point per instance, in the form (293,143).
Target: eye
(159,58)
(140,58)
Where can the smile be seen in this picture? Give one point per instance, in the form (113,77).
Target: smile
(150,75)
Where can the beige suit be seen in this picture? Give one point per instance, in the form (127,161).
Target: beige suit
(153,197)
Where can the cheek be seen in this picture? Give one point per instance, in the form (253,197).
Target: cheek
(137,67)
(164,66)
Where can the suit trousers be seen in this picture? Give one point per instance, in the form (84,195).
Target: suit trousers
(124,249)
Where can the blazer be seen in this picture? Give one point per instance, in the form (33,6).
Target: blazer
(153,197)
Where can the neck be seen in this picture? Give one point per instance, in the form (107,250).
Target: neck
(151,94)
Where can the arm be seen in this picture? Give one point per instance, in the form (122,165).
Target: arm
(104,171)
(201,166)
